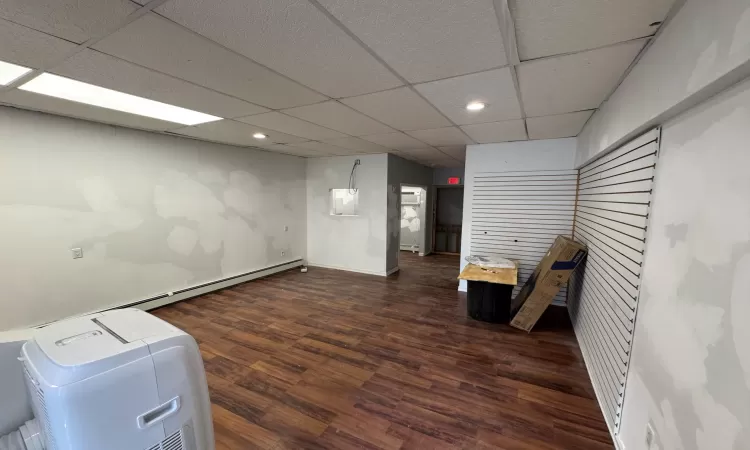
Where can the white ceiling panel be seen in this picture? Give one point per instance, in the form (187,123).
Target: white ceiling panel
(296,151)
(357,144)
(107,71)
(448,164)
(396,141)
(495,88)
(320,148)
(400,108)
(553,27)
(457,152)
(334,115)
(291,125)
(53,105)
(424,153)
(423,39)
(162,45)
(29,48)
(290,36)
(442,137)
(574,82)
(558,126)
(74,20)
(236,133)
(487,133)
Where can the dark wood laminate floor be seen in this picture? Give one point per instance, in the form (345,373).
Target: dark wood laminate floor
(339,360)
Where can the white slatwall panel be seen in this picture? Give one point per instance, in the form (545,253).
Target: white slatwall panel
(517,215)
(614,194)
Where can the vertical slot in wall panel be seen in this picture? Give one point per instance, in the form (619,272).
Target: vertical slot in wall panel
(611,217)
(518,215)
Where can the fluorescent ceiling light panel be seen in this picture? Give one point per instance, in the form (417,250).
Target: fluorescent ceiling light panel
(76,91)
(11,72)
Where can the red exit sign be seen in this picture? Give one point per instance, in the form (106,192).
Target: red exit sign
(454,180)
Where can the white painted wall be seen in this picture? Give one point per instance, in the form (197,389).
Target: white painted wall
(550,154)
(690,367)
(349,243)
(152,213)
(400,172)
(704,49)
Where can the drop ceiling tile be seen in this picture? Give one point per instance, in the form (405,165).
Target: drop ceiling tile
(574,82)
(448,164)
(494,87)
(318,147)
(442,137)
(167,47)
(357,144)
(334,115)
(397,141)
(107,71)
(457,152)
(558,126)
(487,133)
(235,133)
(424,39)
(424,153)
(400,108)
(553,27)
(52,105)
(301,152)
(29,48)
(74,20)
(290,36)
(291,125)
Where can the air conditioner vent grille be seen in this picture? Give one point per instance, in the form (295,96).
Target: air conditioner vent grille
(37,396)
(172,442)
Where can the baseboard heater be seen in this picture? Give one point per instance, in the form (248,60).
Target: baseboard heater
(201,287)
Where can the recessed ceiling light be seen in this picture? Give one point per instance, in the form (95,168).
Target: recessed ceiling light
(259,136)
(11,72)
(476,106)
(77,91)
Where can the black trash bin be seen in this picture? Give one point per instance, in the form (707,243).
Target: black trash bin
(489,302)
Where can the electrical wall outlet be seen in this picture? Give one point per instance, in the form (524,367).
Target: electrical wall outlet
(77,253)
(283,253)
(286,228)
(650,435)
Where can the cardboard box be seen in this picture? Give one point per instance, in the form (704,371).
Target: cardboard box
(543,285)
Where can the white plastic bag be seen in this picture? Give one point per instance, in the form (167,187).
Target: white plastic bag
(491,262)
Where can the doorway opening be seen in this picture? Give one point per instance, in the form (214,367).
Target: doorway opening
(413,212)
(448,220)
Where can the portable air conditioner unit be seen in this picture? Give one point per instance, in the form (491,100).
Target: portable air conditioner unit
(119,380)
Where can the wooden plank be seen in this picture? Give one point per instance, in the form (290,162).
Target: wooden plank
(491,275)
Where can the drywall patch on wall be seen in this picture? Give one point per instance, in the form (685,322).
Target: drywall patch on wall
(182,240)
(212,175)
(740,308)
(148,210)
(703,49)
(690,349)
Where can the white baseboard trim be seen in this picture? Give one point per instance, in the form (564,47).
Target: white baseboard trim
(347,269)
(165,299)
(183,294)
